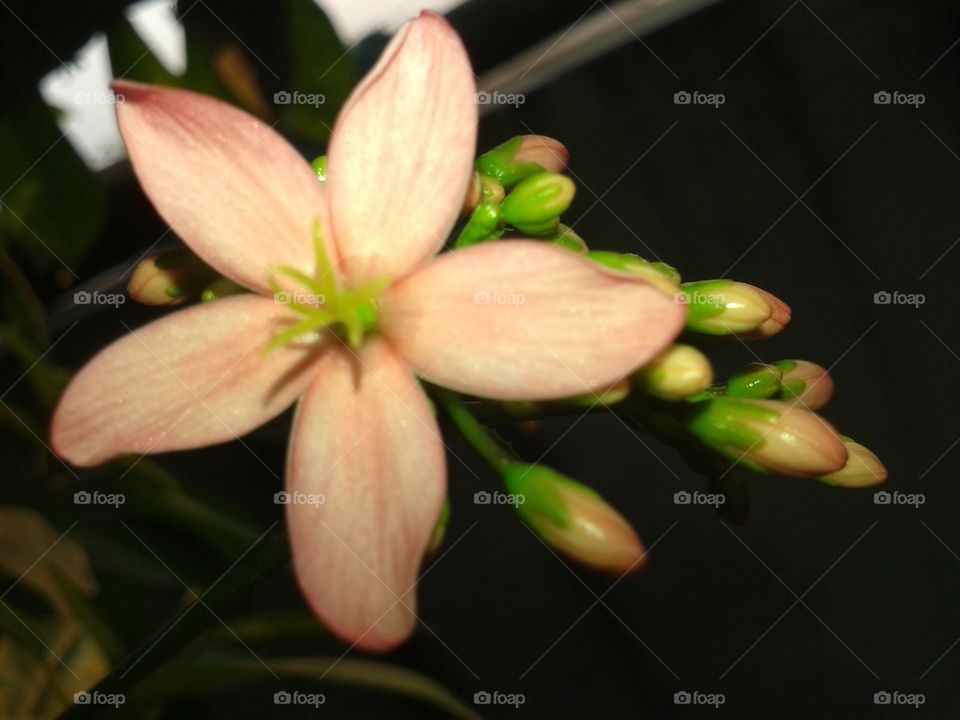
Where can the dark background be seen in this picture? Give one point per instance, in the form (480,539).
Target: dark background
(822,598)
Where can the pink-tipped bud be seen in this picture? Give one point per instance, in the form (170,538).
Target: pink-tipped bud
(574,520)
(169,278)
(474,195)
(806,383)
(546,152)
(780,314)
(863,468)
(769,435)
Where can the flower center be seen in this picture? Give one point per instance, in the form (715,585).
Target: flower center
(351,314)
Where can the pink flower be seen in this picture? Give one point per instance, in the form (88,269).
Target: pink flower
(506,320)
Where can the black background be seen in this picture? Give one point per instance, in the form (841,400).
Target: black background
(822,598)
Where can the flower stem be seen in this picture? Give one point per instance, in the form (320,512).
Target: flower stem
(476,434)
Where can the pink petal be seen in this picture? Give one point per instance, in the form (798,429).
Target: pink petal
(402,151)
(365,440)
(521,319)
(196,377)
(232,188)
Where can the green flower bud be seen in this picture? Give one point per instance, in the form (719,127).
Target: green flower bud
(768,435)
(724,307)
(522,157)
(319,166)
(535,205)
(485,224)
(677,373)
(573,519)
(662,276)
(755,381)
(565,237)
(169,278)
(806,383)
(863,468)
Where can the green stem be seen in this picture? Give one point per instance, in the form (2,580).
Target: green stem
(474,433)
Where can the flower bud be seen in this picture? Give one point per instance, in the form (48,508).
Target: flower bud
(521,157)
(485,224)
(724,307)
(319,166)
(546,152)
(603,397)
(805,382)
(768,435)
(573,519)
(863,468)
(779,317)
(169,278)
(755,381)
(662,276)
(676,373)
(535,205)
(565,237)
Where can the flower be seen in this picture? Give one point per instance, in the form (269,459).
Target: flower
(374,307)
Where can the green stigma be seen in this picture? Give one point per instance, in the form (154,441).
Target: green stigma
(351,314)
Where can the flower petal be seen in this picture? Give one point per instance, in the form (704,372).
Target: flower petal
(365,440)
(236,192)
(402,150)
(524,320)
(196,377)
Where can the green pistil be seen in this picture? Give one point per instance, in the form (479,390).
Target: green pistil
(352,314)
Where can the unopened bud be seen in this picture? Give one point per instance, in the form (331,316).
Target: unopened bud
(678,372)
(724,307)
(805,382)
(485,224)
(863,468)
(319,166)
(573,519)
(219,289)
(535,205)
(756,381)
(662,276)
(604,397)
(548,153)
(169,278)
(565,237)
(780,314)
(768,435)
(521,157)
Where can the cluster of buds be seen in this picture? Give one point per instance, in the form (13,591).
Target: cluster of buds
(519,185)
